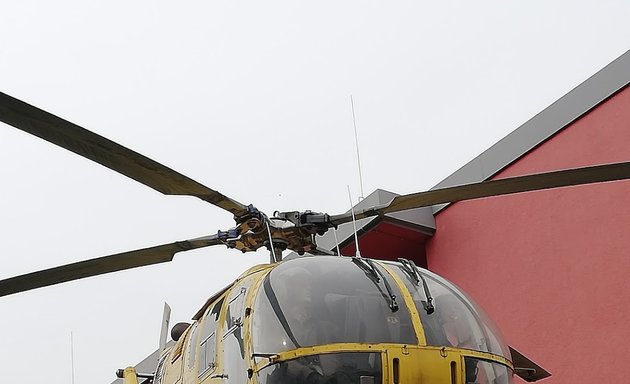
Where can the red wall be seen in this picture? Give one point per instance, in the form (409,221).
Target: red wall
(389,241)
(552,268)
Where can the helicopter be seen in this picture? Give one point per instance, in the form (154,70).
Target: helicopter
(314,317)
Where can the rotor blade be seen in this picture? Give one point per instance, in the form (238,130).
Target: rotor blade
(108,153)
(106,264)
(540,181)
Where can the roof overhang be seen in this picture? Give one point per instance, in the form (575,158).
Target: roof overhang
(408,230)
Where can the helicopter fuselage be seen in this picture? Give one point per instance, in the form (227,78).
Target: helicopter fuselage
(326,319)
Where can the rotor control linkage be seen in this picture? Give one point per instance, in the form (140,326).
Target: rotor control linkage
(244,227)
(287,230)
(248,228)
(251,213)
(231,233)
(312,222)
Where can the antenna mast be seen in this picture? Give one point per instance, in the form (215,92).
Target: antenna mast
(354,223)
(356,142)
(72,355)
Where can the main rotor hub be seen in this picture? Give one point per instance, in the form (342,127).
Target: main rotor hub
(285,230)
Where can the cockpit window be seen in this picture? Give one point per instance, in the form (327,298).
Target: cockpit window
(457,320)
(486,372)
(307,301)
(330,368)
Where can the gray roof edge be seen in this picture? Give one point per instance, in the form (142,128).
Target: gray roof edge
(418,218)
(577,102)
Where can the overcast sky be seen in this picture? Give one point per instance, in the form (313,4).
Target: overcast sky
(252,99)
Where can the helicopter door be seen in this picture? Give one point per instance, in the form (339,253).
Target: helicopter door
(235,367)
(190,353)
(208,340)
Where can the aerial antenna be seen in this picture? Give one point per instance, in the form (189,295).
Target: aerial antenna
(354,224)
(356,142)
(72,355)
(337,240)
(274,258)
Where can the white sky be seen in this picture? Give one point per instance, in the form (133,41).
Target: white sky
(252,99)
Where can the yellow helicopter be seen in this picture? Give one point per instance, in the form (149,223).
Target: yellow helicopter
(316,316)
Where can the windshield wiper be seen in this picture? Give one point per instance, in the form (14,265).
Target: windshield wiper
(393,305)
(376,275)
(368,268)
(410,267)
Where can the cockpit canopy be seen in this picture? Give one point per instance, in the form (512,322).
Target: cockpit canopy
(457,321)
(313,301)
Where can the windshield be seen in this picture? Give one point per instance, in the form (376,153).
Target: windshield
(322,300)
(486,372)
(329,368)
(457,320)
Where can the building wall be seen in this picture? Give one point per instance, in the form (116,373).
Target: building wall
(552,268)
